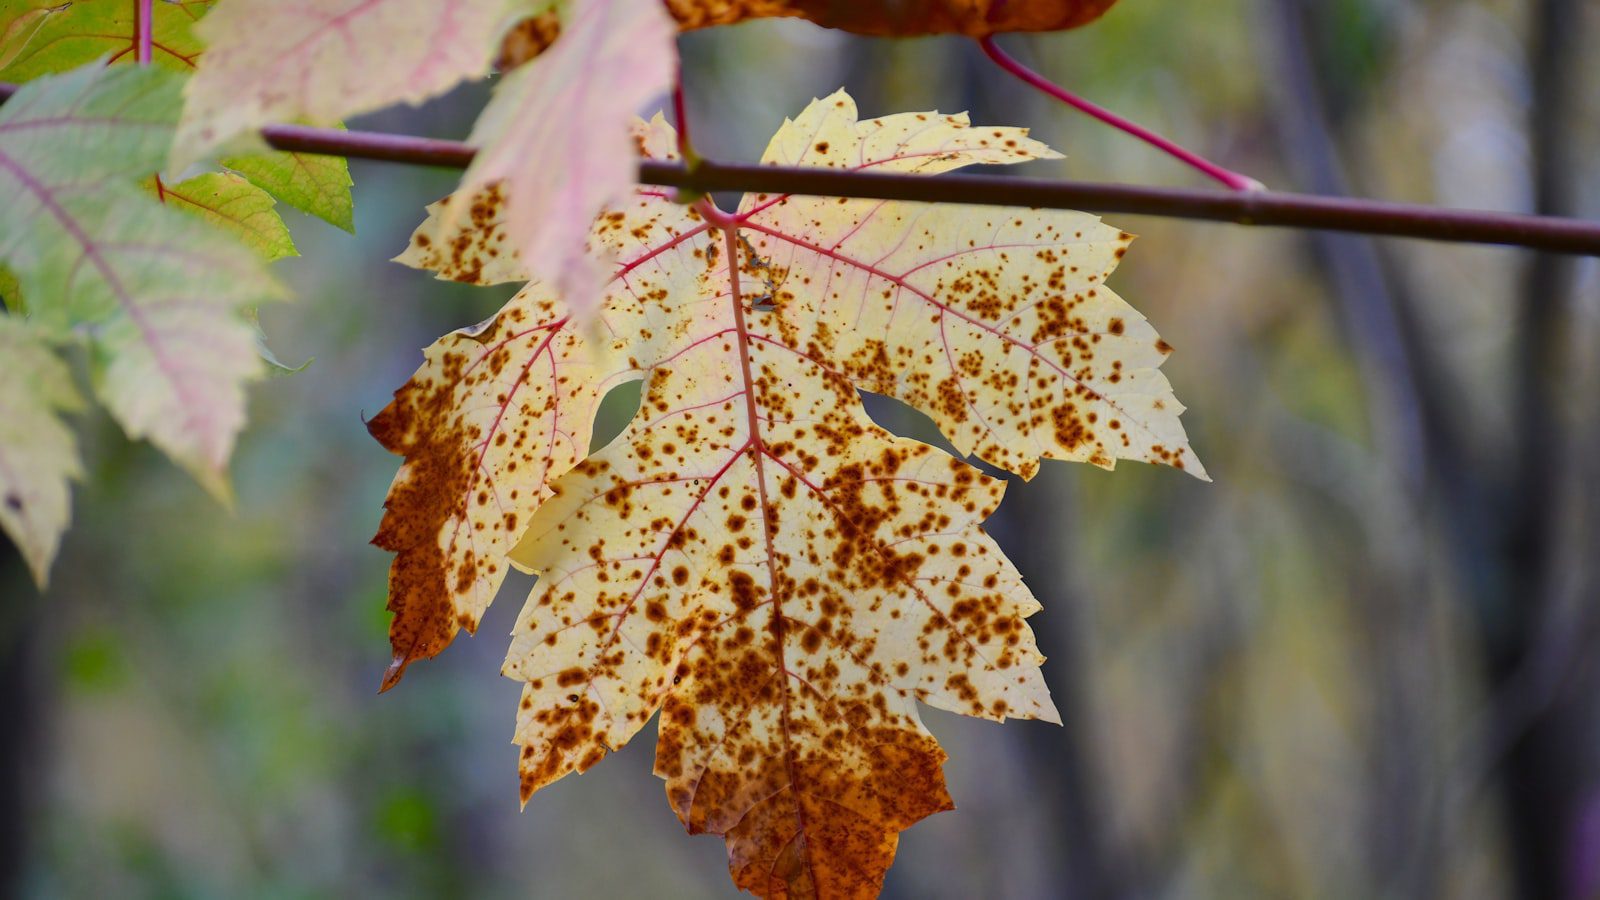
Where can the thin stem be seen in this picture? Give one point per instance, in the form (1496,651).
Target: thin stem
(714,216)
(374,145)
(680,116)
(1240,207)
(144,31)
(1231,179)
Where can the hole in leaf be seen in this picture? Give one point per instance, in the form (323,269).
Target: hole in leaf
(617,409)
(897,417)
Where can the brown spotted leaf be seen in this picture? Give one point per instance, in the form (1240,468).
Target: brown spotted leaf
(900,18)
(783,580)
(996,322)
(496,413)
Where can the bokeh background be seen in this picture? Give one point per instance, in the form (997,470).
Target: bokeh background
(1360,664)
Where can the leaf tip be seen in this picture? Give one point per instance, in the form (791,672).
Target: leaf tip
(217,484)
(396,671)
(39,567)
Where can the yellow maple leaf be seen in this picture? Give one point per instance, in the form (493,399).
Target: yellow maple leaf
(995,322)
(784,580)
(496,413)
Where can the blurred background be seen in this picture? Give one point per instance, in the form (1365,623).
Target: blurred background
(1360,664)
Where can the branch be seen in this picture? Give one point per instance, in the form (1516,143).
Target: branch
(1549,233)
(1239,207)
(144,31)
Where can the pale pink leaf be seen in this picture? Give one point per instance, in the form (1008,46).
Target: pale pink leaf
(323,60)
(556,139)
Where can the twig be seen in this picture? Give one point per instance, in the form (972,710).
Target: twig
(680,118)
(1240,207)
(1230,179)
(1550,233)
(144,32)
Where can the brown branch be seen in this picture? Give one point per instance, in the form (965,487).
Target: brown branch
(1239,207)
(1549,233)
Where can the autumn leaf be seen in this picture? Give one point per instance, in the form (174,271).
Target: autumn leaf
(555,139)
(494,415)
(268,61)
(995,323)
(753,557)
(159,294)
(37,452)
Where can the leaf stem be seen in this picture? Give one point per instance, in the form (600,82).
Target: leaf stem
(714,216)
(1012,65)
(144,31)
(680,116)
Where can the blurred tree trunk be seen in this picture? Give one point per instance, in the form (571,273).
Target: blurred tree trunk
(1506,524)
(19,609)
(1413,431)
(1035,526)
(1547,769)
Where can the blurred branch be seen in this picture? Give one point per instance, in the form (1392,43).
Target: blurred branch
(1545,773)
(1554,234)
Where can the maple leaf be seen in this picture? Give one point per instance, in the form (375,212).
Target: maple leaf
(997,324)
(495,414)
(159,294)
(781,578)
(37,452)
(555,139)
(974,18)
(273,61)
